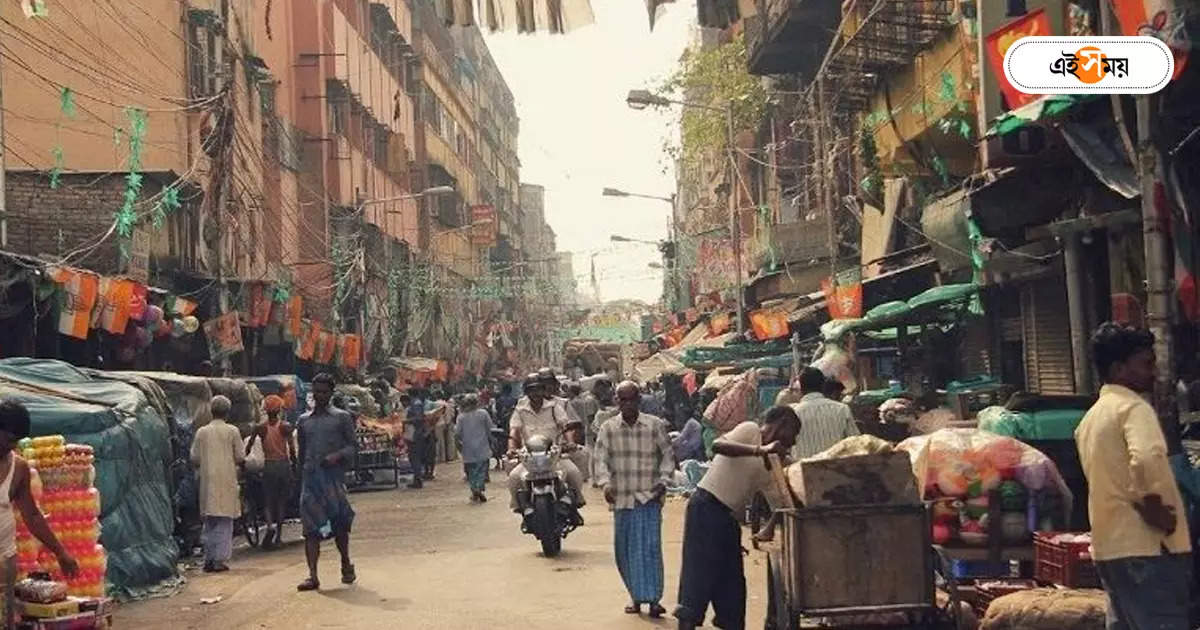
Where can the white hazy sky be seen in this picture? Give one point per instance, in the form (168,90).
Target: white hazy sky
(578,136)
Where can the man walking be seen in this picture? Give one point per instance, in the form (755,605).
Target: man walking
(823,422)
(217,453)
(418,433)
(279,461)
(634,466)
(712,570)
(1140,543)
(327,446)
(474,433)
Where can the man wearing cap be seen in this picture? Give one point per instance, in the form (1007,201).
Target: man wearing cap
(279,461)
(217,453)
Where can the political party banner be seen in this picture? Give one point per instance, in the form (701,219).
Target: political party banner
(224,335)
(843,294)
(1032,24)
(769,324)
(80,290)
(1162,19)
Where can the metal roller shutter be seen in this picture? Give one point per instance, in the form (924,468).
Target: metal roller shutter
(1047,336)
(975,353)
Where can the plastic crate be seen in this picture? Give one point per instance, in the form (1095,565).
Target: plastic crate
(1061,563)
(989,590)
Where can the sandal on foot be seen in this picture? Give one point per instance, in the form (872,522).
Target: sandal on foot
(633,609)
(657,611)
(311,584)
(348,576)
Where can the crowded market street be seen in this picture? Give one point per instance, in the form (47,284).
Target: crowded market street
(430,559)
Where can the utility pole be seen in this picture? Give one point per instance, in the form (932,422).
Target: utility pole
(1158,285)
(3,166)
(736,228)
(825,177)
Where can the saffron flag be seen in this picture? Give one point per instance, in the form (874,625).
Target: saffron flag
(1034,23)
(80,290)
(112,313)
(295,313)
(326,345)
(305,340)
(351,351)
(769,324)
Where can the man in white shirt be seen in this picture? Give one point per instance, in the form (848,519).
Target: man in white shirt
(712,570)
(1140,542)
(823,422)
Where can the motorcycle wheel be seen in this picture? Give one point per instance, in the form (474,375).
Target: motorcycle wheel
(547,525)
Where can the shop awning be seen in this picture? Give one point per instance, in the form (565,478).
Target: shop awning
(656,366)
(936,305)
(1099,148)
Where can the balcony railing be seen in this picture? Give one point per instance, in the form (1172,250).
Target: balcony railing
(791,36)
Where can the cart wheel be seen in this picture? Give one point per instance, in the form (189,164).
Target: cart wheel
(779,605)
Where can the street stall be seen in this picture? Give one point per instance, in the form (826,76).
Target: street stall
(131,455)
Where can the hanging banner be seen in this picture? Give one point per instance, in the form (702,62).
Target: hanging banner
(769,324)
(843,294)
(138,303)
(326,346)
(80,290)
(716,268)
(295,314)
(112,312)
(305,340)
(256,303)
(483,225)
(224,335)
(1032,24)
(719,324)
(138,264)
(1161,19)
(350,351)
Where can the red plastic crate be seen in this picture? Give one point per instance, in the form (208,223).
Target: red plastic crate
(1060,563)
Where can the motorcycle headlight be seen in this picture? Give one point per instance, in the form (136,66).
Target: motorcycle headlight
(538,463)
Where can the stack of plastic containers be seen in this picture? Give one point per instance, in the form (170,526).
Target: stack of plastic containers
(63,484)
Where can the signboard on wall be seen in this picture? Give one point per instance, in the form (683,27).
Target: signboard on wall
(138,265)
(483,225)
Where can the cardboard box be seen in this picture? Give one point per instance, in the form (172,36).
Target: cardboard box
(885,478)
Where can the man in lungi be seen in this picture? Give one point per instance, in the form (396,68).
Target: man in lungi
(634,466)
(712,571)
(279,459)
(327,447)
(217,453)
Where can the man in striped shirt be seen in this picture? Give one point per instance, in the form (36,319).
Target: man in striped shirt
(823,422)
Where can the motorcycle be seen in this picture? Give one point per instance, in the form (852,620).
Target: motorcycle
(550,512)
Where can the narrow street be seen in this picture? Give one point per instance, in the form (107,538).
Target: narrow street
(429,559)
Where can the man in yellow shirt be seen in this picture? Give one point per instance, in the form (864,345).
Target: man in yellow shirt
(1140,540)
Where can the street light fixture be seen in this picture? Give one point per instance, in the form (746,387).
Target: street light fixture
(428,192)
(617,238)
(641,99)
(617,192)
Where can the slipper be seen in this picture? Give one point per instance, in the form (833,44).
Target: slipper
(348,576)
(633,609)
(311,584)
(657,611)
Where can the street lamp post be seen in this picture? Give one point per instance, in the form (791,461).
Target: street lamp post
(671,278)
(641,99)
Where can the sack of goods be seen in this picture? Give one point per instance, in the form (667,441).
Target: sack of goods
(1047,609)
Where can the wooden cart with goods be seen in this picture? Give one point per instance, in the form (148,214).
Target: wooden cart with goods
(853,565)
(376,452)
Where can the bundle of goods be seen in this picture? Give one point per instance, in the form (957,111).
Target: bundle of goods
(736,402)
(962,470)
(1047,609)
(858,470)
(63,485)
(43,603)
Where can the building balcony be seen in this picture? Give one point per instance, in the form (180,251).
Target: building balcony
(786,243)
(791,36)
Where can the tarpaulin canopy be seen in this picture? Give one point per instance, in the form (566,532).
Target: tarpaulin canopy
(932,306)
(132,443)
(1043,108)
(657,365)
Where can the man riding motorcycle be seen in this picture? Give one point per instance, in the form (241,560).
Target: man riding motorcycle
(536,415)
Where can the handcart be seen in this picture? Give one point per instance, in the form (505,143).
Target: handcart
(376,452)
(845,563)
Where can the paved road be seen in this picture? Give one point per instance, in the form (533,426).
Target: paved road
(429,559)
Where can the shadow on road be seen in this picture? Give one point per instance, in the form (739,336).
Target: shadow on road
(367,598)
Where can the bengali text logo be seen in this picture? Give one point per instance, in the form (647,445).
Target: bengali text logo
(1081,65)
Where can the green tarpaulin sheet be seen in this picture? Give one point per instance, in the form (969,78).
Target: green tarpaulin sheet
(132,443)
(1045,107)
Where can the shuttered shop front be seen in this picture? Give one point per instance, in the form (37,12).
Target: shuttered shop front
(1046,332)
